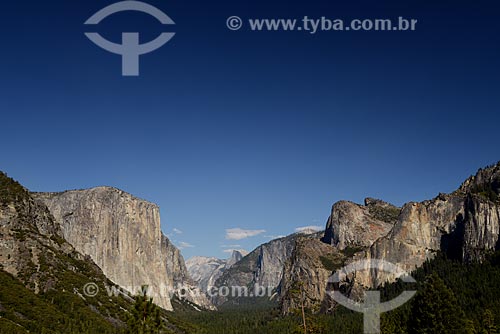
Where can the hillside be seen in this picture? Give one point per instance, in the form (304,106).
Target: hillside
(43,276)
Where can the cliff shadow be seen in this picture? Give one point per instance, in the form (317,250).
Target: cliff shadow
(452,243)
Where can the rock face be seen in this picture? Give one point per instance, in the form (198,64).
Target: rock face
(305,275)
(263,267)
(422,229)
(122,234)
(271,261)
(482,213)
(355,225)
(481,227)
(27,229)
(464,224)
(236,256)
(206,270)
(174,263)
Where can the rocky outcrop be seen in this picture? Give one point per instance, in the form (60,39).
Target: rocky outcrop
(354,225)
(305,275)
(236,256)
(27,230)
(122,234)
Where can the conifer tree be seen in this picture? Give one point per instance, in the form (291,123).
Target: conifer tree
(145,316)
(436,310)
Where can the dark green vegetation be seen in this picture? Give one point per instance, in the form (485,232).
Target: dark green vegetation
(463,298)
(253,320)
(145,317)
(23,311)
(335,261)
(11,191)
(487,191)
(388,214)
(486,183)
(332,262)
(350,251)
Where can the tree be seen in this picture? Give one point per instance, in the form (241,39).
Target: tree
(436,310)
(308,325)
(145,316)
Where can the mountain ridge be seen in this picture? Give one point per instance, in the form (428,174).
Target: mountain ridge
(464,224)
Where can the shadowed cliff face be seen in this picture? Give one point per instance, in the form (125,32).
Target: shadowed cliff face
(464,224)
(263,267)
(122,234)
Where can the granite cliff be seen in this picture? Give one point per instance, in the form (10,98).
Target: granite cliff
(122,234)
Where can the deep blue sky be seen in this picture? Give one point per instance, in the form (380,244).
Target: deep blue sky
(251,130)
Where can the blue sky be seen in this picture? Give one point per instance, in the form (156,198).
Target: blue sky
(252,131)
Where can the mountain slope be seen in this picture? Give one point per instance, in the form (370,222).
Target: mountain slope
(43,276)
